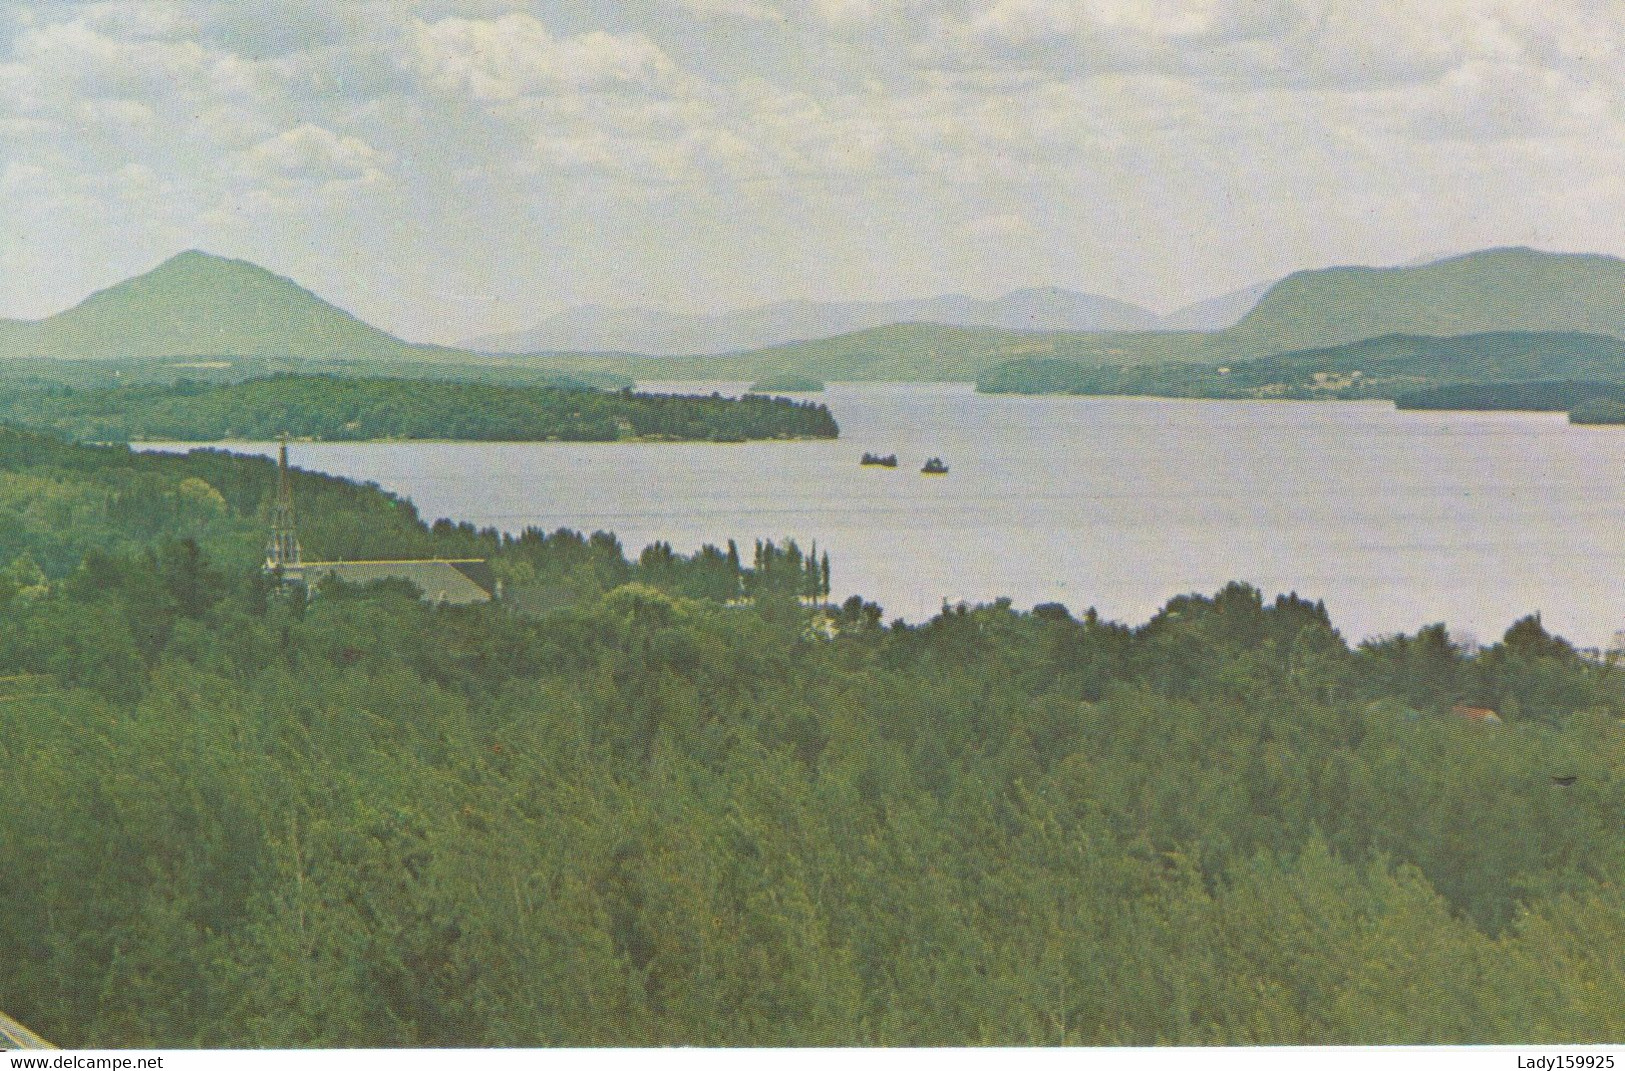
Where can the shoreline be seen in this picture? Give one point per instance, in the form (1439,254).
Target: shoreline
(651,440)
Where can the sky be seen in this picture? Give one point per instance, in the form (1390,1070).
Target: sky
(444,169)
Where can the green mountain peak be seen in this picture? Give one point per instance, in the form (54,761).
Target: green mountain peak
(198,304)
(1505,289)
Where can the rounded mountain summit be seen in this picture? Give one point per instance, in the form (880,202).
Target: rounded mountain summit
(196,304)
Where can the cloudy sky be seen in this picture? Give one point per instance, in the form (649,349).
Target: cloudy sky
(447,168)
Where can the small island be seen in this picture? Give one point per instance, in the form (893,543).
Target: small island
(787,383)
(342,409)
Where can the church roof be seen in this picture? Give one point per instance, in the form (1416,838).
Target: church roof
(443,580)
(456,582)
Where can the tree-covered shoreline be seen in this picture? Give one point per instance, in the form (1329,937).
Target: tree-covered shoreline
(788,383)
(675,802)
(348,409)
(1498,370)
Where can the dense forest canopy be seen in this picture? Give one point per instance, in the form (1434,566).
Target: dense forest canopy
(339,408)
(674,803)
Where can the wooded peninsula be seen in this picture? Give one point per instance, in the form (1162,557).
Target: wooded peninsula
(342,408)
(682,801)
(788,384)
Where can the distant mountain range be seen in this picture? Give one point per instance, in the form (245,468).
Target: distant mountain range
(598,329)
(198,305)
(1496,290)
(1513,289)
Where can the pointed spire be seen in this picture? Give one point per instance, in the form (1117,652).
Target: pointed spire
(284,490)
(283,550)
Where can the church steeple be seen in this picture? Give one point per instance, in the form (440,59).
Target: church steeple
(283,550)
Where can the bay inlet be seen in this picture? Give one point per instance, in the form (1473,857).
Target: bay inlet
(1395,519)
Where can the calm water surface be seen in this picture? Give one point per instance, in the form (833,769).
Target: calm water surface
(1395,519)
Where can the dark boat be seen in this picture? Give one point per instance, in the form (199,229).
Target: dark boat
(934,467)
(887,462)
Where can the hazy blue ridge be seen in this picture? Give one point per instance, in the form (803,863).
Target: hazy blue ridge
(595,328)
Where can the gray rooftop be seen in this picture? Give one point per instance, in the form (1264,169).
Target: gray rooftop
(456,583)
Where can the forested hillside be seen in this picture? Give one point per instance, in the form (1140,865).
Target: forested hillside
(1491,290)
(1506,363)
(339,408)
(659,815)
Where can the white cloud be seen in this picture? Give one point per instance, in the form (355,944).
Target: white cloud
(313,153)
(740,9)
(1030,20)
(829,12)
(139,19)
(114,111)
(516,55)
(64,61)
(20,178)
(1308,44)
(858,11)
(1490,103)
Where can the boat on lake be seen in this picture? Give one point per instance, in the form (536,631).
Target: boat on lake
(887,462)
(934,467)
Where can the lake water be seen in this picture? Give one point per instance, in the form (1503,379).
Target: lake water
(1395,519)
